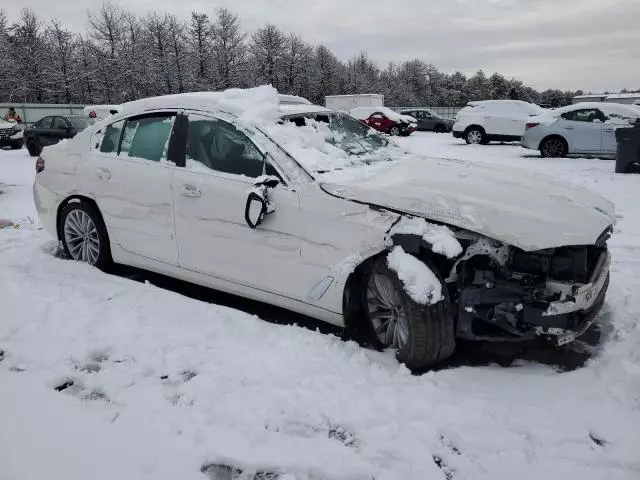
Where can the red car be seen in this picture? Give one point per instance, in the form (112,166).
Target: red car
(385,120)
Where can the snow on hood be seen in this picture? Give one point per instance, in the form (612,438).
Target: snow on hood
(517,207)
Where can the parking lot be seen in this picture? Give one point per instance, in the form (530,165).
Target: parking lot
(198,382)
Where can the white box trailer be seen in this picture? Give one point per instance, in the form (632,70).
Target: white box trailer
(348,102)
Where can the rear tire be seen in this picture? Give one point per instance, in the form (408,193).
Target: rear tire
(84,235)
(633,168)
(422,334)
(475,136)
(33,148)
(554,147)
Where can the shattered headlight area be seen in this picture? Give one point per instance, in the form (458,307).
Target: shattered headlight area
(502,293)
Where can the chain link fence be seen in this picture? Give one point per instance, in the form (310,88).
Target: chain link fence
(32,112)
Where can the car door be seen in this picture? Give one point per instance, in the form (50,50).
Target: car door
(61,128)
(583,129)
(42,131)
(210,194)
(128,172)
(615,118)
(379,121)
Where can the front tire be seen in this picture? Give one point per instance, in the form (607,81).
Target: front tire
(17,145)
(439,129)
(394,131)
(84,235)
(422,335)
(554,147)
(475,136)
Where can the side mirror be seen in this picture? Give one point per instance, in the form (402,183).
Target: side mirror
(255,209)
(260,200)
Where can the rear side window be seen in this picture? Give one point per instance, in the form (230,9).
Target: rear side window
(585,115)
(111,137)
(147,137)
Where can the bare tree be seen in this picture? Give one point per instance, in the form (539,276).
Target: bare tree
(178,49)
(27,50)
(157,32)
(229,49)
(60,69)
(268,47)
(200,33)
(297,58)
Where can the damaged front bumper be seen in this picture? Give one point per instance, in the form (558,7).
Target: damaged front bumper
(513,312)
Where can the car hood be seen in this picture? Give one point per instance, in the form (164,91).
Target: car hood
(4,124)
(520,208)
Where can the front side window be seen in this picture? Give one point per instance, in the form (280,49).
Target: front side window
(46,122)
(111,137)
(585,115)
(147,137)
(219,146)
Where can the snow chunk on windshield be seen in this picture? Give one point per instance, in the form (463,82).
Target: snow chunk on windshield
(441,238)
(419,281)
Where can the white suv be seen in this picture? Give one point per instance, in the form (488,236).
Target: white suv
(494,120)
(308,209)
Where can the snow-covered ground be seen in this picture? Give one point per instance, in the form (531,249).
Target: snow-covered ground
(153,384)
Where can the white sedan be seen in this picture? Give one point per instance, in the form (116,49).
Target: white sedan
(306,208)
(582,129)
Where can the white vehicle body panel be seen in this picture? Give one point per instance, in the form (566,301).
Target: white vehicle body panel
(502,118)
(510,205)
(189,223)
(597,138)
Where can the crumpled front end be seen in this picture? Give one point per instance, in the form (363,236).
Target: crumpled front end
(504,293)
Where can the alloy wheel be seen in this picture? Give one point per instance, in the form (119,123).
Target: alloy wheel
(81,237)
(474,137)
(394,131)
(554,147)
(388,316)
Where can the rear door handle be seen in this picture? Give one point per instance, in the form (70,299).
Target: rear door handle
(569,128)
(609,130)
(191,191)
(103,173)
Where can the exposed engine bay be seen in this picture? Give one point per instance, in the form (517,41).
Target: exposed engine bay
(502,293)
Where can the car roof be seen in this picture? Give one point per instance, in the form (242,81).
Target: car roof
(300,109)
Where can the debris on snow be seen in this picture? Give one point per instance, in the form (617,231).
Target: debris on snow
(419,281)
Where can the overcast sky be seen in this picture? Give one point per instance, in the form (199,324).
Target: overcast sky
(567,44)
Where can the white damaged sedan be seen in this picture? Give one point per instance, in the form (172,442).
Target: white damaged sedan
(306,208)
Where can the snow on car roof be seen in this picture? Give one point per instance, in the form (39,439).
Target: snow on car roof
(299,109)
(252,106)
(605,107)
(364,112)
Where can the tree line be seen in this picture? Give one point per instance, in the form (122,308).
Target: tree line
(122,57)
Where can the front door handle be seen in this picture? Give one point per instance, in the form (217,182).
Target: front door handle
(191,191)
(569,127)
(609,130)
(103,173)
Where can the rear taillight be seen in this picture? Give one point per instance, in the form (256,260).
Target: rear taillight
(531,125)
(39,165)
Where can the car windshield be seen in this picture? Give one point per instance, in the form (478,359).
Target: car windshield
(328,141)
(80,123)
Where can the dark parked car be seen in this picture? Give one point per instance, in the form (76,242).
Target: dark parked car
(429,121)
(50,130)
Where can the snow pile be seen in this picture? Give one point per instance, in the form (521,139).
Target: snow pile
(252,106)
(441,237)
(419,281)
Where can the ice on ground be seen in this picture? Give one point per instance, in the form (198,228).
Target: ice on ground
(419,281)
(441,237)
